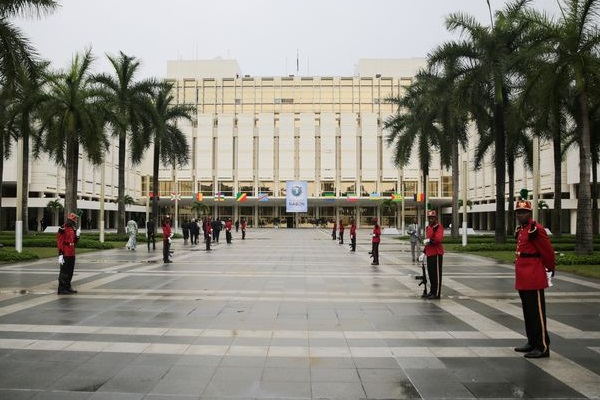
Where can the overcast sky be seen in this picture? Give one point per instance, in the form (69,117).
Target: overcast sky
(264,36)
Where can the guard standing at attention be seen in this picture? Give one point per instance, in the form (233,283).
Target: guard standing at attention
(333,232)
(167,234)
(534,265)
(376,238)
(228,227)
(434,235)
(342,231)
(207,232)
(243,227)
(352,235)
(66,239)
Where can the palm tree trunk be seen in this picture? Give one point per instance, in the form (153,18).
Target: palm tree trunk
(1,181)
(455,186)
(121,188)
(155,166)
(583,236)
(500,165)
(594,193)
(71,172)
(555,222)
(511,194)
(25,186)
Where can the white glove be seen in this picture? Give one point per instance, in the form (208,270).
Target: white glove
(549,278)
(169,239)
(422,257)
(426,241)
(78,232)
(61,260)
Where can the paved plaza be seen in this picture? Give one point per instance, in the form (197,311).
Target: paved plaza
(287,314)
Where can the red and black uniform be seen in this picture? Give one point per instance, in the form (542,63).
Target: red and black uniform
(353,236)
(534,256)
(228,227)
(243,227)
(376,238)
(434,235)
(342,232)
(66,239)
(166,230)
(333,236)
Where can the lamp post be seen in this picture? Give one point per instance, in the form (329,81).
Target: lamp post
(101,216)
(19,219)
(464,190)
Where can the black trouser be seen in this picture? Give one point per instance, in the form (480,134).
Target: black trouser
(243,234)
(353,243)
(375,252)
(341,237)
(333,235)
(534,313)
(207,240)
(434,270)
(166,250)
(228,236)
(151,239)
(66,274)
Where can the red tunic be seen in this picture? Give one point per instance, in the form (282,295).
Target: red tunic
(166,229)
(435,234)
(535,255)
(228,226)
(66,240)
(352,230)
(243,225)
(376,234)
(342,228)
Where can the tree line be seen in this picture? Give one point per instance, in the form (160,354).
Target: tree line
(63,112)
(525,75)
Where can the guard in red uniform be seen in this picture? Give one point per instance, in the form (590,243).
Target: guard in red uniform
(243,228)
(534,264)
(228,227)
(434,251)
(376,238)
(342,231)
(167,235)
(66,239)
(352,235)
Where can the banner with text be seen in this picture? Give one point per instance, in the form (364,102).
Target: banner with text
(296,199)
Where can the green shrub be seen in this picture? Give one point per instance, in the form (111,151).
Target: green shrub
(11,255)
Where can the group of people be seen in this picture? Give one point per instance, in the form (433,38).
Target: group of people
(340,236)
(534,263)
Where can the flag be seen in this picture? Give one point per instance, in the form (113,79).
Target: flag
(396,197)
(219,197)
(329,196)
(199,196)
(374,196)
(352,197)
(241,197)
(263,197)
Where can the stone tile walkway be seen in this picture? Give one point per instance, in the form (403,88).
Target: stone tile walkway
(286,314)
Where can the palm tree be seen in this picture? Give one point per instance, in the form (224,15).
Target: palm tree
(170,143)
(16,52)
(452,116)
(575,37)
(7,135)
(487,56)
(129,102)
(389,206)
(200,208)
(28,100)
(415,121)
(54,207)
(73,117)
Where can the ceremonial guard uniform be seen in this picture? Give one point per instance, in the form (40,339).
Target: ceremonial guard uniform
(352,236)
(333,232)
(167,234)
(207,232)
(66,239)
(243,227)
(375,239)
(433,249)
(342,231)
(228,226)
(534,264)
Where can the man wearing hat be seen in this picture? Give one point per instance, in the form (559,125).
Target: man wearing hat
(534,264)
(66,239)
(434,251)
(167,235)
(376,238)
